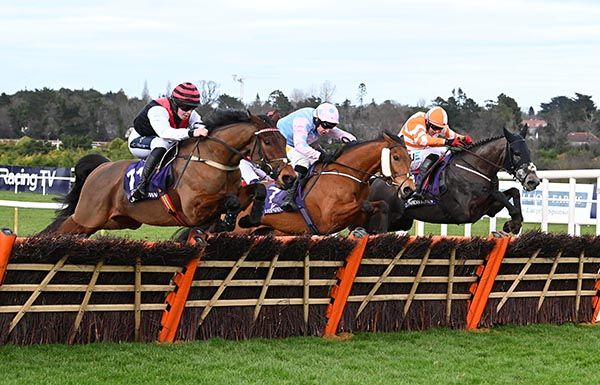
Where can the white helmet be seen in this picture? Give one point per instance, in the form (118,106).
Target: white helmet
(327,112)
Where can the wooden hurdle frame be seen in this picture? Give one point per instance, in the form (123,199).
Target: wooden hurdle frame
(489,289)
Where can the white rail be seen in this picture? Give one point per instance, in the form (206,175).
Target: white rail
(574,221)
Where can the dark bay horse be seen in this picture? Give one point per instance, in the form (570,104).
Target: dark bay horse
(207,174)
(471,186)
(335,195)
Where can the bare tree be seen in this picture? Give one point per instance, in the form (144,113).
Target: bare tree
(169,89)
(327,90)
(298,95)
(209,92)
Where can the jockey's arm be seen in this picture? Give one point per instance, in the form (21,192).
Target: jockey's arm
(300,127)
(338,133)
(159,120)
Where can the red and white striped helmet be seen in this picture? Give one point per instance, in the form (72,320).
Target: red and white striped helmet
(186,94)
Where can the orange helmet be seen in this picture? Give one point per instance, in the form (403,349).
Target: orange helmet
(437,118)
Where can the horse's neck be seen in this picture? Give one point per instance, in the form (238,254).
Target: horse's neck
(238,136)
(493,157)
(366,158)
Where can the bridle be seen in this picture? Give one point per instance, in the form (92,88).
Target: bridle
(264,163)
(263,159)
(518,171)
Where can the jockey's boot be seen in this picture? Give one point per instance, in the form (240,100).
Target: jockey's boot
(141,192)
(417,198)
(289,202)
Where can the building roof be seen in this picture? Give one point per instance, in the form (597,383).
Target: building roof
(582,137)
(534,123)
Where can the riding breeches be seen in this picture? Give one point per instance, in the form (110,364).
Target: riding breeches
(251,173)
(142,146)
(298,159)
(418,156)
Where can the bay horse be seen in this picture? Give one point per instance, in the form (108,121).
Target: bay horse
(335,194)
(206,171)
(471,185)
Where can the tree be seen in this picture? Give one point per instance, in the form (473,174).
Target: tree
(145,93)
(531,112)
(229,102)
(327,91)
(280,102)
(362,92)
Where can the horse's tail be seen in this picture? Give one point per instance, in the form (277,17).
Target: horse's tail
(83,168)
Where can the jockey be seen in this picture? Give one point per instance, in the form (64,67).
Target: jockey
(252,174)
(303,127)
(162,123)
(427,136)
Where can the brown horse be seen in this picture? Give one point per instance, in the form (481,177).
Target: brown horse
(336,193)
(206,171)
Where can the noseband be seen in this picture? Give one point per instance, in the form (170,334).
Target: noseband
(264,163)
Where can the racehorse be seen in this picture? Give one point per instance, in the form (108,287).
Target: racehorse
(206,171)
(335,194)
(471,185)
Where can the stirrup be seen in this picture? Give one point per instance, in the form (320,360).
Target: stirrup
(137,195)
(289,206)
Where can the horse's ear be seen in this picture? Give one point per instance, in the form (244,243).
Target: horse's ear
(524,130)
(394,137)
(508,135)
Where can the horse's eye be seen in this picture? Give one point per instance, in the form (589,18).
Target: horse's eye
(396,157)
(267,142)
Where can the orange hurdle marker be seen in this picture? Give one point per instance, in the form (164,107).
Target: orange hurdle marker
(7,240)
(481,290)
(340,291)
(176,299)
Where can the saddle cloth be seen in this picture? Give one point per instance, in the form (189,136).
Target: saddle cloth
(274,200)
(159,181)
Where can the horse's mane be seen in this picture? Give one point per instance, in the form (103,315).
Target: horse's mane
(220,118)
(483,141)
(350,145)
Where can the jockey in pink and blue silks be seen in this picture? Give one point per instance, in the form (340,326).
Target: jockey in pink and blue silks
(300,129)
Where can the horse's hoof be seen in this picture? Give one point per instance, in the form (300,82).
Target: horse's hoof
(359,232)
(245,222)
(511,227)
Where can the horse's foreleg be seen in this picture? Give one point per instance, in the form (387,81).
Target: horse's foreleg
(69,226)
(514,209)
(232,208)
(378,219)
(254,218)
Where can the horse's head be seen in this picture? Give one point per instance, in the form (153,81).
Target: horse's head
(269,152)
(395,164)
(518,159)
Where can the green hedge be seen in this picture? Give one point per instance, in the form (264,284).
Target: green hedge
(29,152)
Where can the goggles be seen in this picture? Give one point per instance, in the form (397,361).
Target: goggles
(328,125)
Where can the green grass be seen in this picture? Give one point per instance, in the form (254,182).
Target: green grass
(32,221)
(540,354)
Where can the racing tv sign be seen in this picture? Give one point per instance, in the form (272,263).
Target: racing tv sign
(41,180)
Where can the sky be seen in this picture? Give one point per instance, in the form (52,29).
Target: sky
(407,51)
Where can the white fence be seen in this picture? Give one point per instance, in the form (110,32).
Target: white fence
(567,203)
(576,201)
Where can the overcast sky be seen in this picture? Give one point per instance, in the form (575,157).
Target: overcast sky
(409,52)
